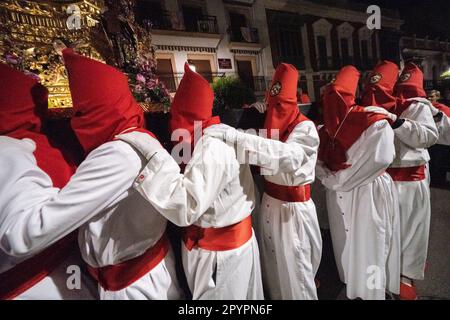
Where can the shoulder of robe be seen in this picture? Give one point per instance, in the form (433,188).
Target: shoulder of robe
(306,126)
(305,129)
(417,109)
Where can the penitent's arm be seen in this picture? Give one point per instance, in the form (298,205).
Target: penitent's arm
(34,215)
(184,198)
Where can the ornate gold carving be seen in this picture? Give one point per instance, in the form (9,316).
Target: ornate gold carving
(28,29)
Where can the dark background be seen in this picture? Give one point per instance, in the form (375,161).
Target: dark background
(422,17)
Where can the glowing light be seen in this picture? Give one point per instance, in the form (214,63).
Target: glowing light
(192,67)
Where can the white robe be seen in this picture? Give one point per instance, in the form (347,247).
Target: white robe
(289,234)
(412,139)
(215,191)
(25,230)
(364,217)
(127,225)
(444,130)
(121,225)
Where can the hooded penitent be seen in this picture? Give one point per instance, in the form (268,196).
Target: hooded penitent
(103,104)
(22,101)
(410,84)
(282,111)
(344,120)
(379,88)
(193,102)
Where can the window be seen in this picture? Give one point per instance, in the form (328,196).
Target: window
(192,15)
(149,10)
(286,43)
(345,51)
(322,52)
(237,21)
(203,67)
(245,72)
(165,73)
(290,45)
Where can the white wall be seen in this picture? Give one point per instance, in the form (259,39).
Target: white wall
(217,8)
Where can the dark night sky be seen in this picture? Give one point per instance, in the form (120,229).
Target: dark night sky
(424,17)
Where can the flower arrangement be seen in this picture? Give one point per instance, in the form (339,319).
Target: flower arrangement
(146,86)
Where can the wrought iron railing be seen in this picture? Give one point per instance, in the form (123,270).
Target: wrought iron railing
(206,24)
(171,21)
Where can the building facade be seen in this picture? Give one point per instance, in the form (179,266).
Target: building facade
(433,55)
(249,38)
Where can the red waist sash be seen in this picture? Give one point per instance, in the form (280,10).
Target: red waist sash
(30,272)
(119,276)
(218,239)
(288,193)
(407,174)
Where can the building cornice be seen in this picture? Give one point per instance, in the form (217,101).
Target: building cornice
(326,11)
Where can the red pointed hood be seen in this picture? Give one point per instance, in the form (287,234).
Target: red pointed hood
(22,102)
(339,97)
(410,84)
(282,111)
(379,89)
(103,103)
(344,120)
(192,102)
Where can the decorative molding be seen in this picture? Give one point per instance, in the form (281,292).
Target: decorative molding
(245,52)
(329,11)
(345,31)
(185,48)
(322,27)
(364,34)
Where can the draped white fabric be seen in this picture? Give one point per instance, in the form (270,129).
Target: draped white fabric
(364,217)
(214,191)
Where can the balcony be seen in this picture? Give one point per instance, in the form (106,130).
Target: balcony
(243,35)
(206,24)
(173,22)
(414,43)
